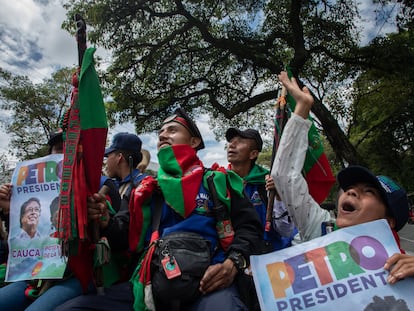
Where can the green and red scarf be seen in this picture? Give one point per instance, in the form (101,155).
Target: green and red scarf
(256,175)
(179,177)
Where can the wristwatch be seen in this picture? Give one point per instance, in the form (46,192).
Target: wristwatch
(239,261)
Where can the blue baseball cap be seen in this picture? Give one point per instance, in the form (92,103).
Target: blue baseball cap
(126,142)
(394,196)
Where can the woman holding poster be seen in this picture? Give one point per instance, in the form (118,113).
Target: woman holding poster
(35,216)
(31,225)
(364,196)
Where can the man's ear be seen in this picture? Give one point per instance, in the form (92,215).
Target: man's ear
(195,142)
(254,154)
(120,156)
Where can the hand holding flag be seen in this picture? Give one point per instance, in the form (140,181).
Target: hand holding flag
(316,169)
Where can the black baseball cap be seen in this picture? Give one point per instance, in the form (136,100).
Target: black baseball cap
(394,196)
(56,137)
(249,133)
(181,117)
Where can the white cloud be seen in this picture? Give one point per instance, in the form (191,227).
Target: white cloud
(36,44)
(214,154)
(381,24)
(19,13)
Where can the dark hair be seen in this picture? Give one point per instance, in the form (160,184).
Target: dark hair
(54,206)
(254,146)
(55,138)
(133,156)
(24,205)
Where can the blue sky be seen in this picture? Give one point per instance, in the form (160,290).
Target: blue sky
(33,44)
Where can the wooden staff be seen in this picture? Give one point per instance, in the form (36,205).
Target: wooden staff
(279,123)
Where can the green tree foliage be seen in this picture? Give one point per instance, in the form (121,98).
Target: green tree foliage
(5,170)
(35,110)
(383,110)
(220,57)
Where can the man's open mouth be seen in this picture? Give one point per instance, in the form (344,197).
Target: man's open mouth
(163,144)
(348,207)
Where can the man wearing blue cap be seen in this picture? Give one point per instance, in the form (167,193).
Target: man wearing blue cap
(363,197)
(122,158)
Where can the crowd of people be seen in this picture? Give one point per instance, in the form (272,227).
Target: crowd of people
(189,209)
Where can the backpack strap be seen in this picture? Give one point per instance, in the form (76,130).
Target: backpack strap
(261,189)
(224,226)
(157,211)
(135,181)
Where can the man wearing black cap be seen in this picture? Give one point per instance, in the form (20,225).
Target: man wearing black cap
(363,197)
(186,208)
(242,152)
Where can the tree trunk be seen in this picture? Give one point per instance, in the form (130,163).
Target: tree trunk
(340,143)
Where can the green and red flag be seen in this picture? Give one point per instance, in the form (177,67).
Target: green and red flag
(94,125)
(140,213)
(85,138)
(316,169)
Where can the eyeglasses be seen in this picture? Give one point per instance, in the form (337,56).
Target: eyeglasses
(35,209)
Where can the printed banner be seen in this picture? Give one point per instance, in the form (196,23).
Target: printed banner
(339,271)
(33,251)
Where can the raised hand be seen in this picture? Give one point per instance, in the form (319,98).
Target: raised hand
(303,97)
